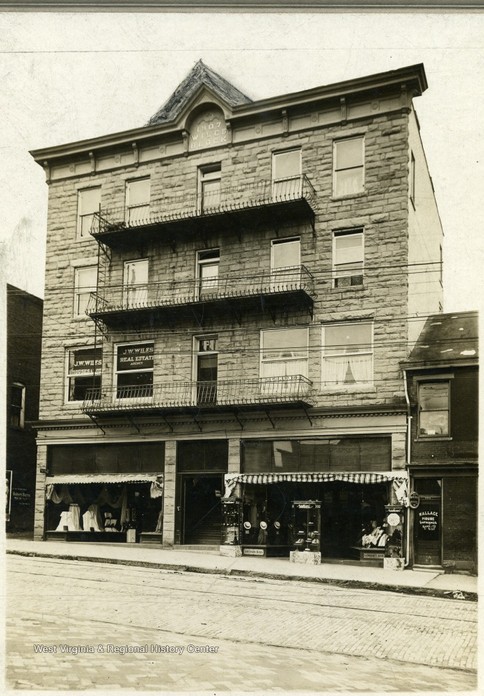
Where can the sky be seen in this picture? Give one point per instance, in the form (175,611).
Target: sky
(69,76)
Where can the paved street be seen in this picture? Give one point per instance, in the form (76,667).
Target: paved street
(76,625)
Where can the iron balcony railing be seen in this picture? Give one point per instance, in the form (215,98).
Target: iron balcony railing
(180,206)
(115,298)
(222,393)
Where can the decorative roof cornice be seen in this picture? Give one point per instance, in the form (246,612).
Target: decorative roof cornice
(410,79)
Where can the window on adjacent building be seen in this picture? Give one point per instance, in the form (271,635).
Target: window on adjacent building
(433,407)
(134,370)
(284,352)
(84,374)
(347,355)
(88,203)
(286,174)
(208,263)
(17,405)
(209,188)
(206,369)
(85,278)
(348,258)
(348,166)
(411,183)
(135,283)
(137,201)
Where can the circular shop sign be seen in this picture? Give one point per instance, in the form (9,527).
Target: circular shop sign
(393,519)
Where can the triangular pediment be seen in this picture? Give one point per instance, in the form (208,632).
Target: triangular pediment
(202,84)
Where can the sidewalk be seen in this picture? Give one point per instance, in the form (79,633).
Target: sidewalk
(455,586)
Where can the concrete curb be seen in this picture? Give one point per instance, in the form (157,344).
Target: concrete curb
(184,568)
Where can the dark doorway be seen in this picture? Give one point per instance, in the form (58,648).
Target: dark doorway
(202,509)
(427,522)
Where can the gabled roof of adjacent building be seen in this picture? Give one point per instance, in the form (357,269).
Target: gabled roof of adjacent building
(446,339)
(200,75)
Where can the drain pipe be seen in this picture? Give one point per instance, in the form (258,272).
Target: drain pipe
(409,447)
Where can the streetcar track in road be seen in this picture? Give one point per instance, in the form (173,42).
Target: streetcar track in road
(244,641)
(149,591)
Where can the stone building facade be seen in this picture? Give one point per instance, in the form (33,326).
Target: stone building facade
(230,291)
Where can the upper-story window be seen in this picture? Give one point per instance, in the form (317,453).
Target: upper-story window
(284,352)
(208,263)
(433,409)
(85,278)
(17,405)
(88,203)
(84,374)
(286,174)
(348,166)
(134,370)
(348,258)
(347,355)
(209,188)
(135,283)
(137,200)
(411,182)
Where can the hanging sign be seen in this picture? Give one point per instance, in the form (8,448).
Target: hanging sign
(8,493)
(414,500)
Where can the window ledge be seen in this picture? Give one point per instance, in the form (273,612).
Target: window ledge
(360,194)
(363,389)
(433,438)
(346,288)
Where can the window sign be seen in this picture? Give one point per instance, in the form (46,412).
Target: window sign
(428,521)
(84,374)
(135,357)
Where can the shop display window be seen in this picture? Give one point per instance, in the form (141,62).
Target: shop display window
(306,525)
(232,521)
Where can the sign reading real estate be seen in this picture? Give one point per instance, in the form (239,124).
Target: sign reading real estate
(135,357)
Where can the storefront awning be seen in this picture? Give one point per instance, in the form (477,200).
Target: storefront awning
(398,478)
(67,479)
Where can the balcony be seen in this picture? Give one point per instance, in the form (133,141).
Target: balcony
(115,304)
(242,394)
(243,207)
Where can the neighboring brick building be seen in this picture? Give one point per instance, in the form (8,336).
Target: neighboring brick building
(24,337)
(443,387)
(253,267)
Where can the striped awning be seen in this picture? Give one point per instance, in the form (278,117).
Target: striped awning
(103,478)
(398,478)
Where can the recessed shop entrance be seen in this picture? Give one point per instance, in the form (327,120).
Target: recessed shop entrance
(201,465)
(202,510)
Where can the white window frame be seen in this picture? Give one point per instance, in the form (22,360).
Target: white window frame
(337,274)
(79,292)
(71,375)
(361,166)
(144,207)
(81,234)
(135,294)
(288,191)
(118,372)
(284,360)
(425,382)
(21,410)
(207,173)
(212,283)
(357,385)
